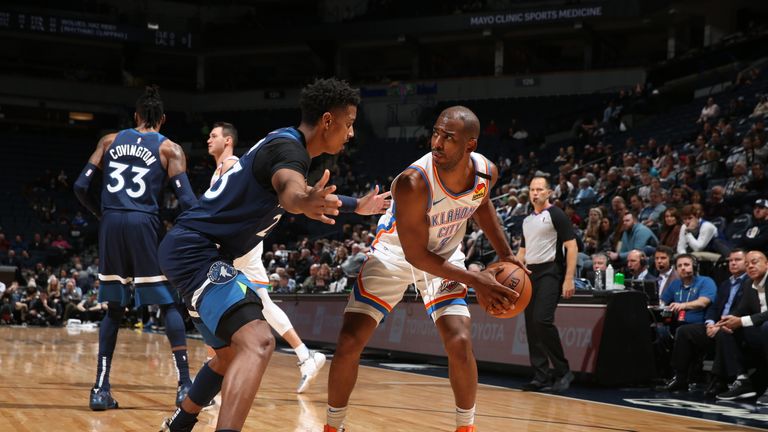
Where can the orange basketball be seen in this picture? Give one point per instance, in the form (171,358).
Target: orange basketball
(514,277)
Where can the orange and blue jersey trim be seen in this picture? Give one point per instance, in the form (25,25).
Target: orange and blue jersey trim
(260,284)
(429,184)
(459,298)
(366,297)
(449,193)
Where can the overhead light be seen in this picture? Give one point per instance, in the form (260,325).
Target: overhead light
(80,116)
(153,26)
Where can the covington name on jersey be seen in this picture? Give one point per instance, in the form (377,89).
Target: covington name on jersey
(133,150)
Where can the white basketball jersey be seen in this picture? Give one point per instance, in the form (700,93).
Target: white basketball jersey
(447,212)
(217,173)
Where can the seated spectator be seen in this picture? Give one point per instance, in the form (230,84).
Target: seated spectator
(744,335)
(599,263)
(653,210)
(635,236)
(339,281)
(689,296)
(694,340)
(696,234)
(666,273)
(43,311)
(274,282)
(711,111)
(354,261)
(756,236)
(637,266)
(716,206)
(758,184)
(670,229)
(761,109)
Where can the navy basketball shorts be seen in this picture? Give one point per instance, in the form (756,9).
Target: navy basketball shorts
(128,255)
(209,284)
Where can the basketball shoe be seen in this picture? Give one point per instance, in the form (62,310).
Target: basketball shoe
(181,393)
(467,428)
(101,399)
(327,428)
(309,369)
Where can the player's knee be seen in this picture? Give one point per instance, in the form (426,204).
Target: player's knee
(458,344)
(115,311)
(254,338)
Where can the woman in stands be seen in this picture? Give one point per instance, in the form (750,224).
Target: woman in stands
(670,231)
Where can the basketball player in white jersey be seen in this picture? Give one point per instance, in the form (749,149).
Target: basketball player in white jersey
(221,144)
(418,242)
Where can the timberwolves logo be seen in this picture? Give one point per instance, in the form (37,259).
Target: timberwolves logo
(447,286)
(221,273)
(479,192)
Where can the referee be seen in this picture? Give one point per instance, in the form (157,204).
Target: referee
(547,231)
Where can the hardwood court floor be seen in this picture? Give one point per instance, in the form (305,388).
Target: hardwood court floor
(46,374)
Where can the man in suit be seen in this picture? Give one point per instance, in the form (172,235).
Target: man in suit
(694,339)
(666,273)
(637,266)
(750,331)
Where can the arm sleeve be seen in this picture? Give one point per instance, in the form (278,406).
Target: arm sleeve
(82,184)
(667,296)
(278,154)
(562,224)
(348,203)
(708,289)
(183,191)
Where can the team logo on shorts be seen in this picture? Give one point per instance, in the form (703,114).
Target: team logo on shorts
(221,273)
(447,286)
(479,192)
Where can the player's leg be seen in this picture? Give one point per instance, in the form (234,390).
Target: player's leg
(310,362)
(378,288)
(445,302)
(153,288)
(114,277)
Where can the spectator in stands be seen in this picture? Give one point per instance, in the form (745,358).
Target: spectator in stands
(636,206)
(5,245)
(89,309)
(736,186)
(339,281)
(758,185)
(750,328)
(563,189)
(43,311)
(711,111)
(670,231)
(689,296)
(696,234)
(666,273)
(354,261)
(653,210)
(693,340)
(635,236)
(310,281)
(756,236)
(274,282)
(716,206)
(599,263)
(593,236)
(761,109)
(637,266)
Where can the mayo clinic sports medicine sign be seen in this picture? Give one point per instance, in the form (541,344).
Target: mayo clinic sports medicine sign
(534,17)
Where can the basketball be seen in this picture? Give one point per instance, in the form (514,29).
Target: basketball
(512,276)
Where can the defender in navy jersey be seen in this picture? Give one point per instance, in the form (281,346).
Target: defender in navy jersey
(237,213)
(136,163)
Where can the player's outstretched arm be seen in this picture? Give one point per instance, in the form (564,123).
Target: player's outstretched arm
(371,203)
(295,196)
(176,166)
(83,182)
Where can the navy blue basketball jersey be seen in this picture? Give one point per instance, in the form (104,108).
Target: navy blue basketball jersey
(134,176)
(237,212)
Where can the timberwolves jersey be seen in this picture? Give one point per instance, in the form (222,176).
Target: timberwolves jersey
(447,212)
(134,177)
(241,217)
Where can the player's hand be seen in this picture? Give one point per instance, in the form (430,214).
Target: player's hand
(320,202)
(499,297)
(513,259)
(568,288)
(373,202)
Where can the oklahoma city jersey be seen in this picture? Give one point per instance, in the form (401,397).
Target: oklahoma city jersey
(447,212)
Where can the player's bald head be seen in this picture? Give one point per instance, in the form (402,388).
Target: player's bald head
(470,120)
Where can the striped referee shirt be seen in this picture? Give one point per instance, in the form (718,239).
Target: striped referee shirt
(544,234)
